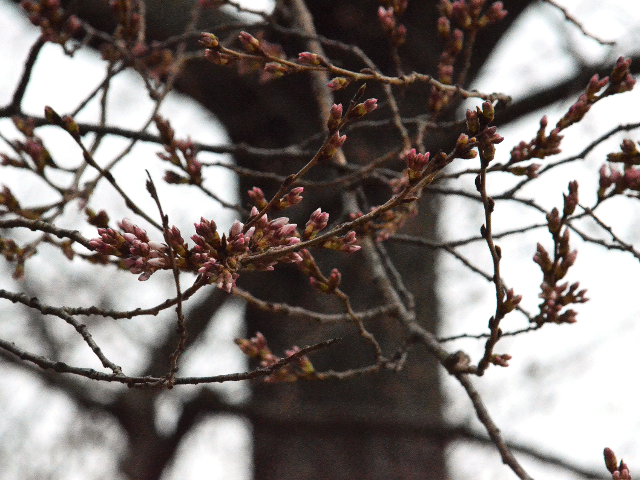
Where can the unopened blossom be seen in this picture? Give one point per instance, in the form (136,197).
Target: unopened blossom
(292,198)
(387,19)
(338,83)
(335,118)
(501,360)
(335,142)
(317,222)
(416,162)
(362,109)
(346,243)
(249,42)
(307,58)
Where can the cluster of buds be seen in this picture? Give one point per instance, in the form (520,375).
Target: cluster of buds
(484,137)
(317,222)
(629,179)
(56,25)
(268,234)
(629,154)
(456,18)
(317,280)
(257,348)
(501,360)
(480,118)
(336,120)
(275,70)
(540,147)
(619,471)
(213,256)
(416,163)
(13,253)
(396,32)
(467,14)
(555,297)
(32,148)
(579,109)
(619,81)
(576,112)
(141,255)
(217,257)
(420,165)
(260,52)
(259,55)
(174,150)
(213,51)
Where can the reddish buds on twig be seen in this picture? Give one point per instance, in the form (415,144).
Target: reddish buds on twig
(339,83)
(618,471)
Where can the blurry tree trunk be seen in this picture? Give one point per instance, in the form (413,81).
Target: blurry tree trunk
(359,428)
(355,428)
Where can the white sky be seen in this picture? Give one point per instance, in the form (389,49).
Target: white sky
(570,390)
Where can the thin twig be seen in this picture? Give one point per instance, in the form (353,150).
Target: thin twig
(81,328)
(299,313)
(157,382)
(491,428)
(182,329)
(573,20)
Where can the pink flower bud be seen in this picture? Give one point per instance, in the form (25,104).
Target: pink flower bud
(276,69)
(250,43)
(338,83)
(236,229)
(209,40)
(307,58)
(218,58)
(386,18)
(610,460)
(444,27)
(362,109)
(335,117)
